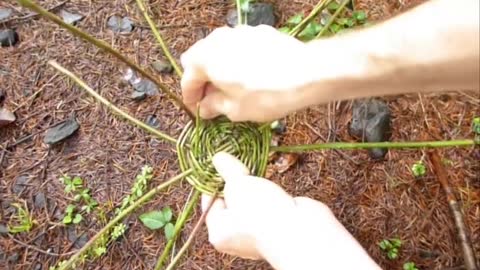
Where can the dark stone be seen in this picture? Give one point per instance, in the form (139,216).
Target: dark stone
(79,241)
(13,258)
(259,13)
(120,25)
(61,132)
(153,121)
(5,13)
(20,184)
(40,200)
(70,18)
(162,66)
(3,229)
(145,86)
(2,97)
(371,122)
(38,266)
(8,37)
(138,96)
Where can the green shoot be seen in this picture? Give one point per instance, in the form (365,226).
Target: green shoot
(155,220)
(391,247)
(138,188)
(22,221)
(118,231)
(71,216)
(476,125)
(419,169)
(409,266)
(71,184)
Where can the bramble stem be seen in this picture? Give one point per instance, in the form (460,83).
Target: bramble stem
(190,237)
(110,105)
(178,227)
(317,9)
(368,145)
(332,19)
(104,46)
(121,215)
(159,38)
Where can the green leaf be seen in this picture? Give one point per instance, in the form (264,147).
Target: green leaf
(418,169)
(67,219)
(476,125)
(409,266)
(360,15)
(384,244)
(396,242)
(285,30)
(70,209)
(342,21)
(153,220)
(295,20)
(77,197)
(350,22)
(78,218)
(244,5)
(77,181)
(335,28)
(333,6)
(99,251)
(167,214)
(169,231)
(310,31)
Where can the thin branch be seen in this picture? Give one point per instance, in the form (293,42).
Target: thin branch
(239,12)
(121,215)
(159,38)
(178,227)
(190,237)
(106,47)
(32,15)
(462,230)
(368,145)
(332,19)
(321,5)
(109,105)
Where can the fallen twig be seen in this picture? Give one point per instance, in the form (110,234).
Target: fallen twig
(462,230)
(190,237)
(32,15)
(317,9)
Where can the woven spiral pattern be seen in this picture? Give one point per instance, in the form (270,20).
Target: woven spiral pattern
(199,143)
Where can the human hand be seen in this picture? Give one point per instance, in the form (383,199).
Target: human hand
(245,73)
(257,219)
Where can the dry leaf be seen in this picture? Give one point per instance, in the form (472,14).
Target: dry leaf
(285,161)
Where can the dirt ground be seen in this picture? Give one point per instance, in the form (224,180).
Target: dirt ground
(373,199)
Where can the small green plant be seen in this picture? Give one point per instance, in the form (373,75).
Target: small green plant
(476,125)
(22,221)
(138,188)
(155,220)
(118,231)
(419,169)
(409,266)
(313,28)
(81,195)
(391,247)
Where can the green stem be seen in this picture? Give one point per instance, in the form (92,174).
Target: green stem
(178,227)
(332,19)
(159,38)
(104,46)
(190,237)
(343,145)
(317,9)
(121,215)
(239,12)
(110,105)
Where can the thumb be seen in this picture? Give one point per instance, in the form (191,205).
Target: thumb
(229,167)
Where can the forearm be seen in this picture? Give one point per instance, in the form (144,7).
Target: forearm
(416,51)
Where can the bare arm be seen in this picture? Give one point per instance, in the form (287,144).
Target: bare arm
(420,50)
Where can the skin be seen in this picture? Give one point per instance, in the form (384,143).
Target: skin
(237,72)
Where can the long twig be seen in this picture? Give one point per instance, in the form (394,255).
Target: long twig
(315,11)
(368,145)
(112,107)
(462,230)
(239,13)
(121,215)
(332,19)
(178,227)
(159,38)
(190,237)
(106,47)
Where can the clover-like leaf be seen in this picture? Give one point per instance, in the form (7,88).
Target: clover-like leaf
(153,220)
(67,219)
(360,15)
(169,231)
(77,219)
(294,20)
(418,169)
(167,214)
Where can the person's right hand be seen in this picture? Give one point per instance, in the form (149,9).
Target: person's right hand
(245,73)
